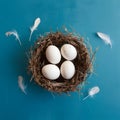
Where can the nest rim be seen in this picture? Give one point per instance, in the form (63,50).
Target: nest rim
(82,62)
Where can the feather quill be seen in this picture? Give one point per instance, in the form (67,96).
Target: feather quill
(105,38)
(14,33)
(92,92)
(21,84)
(34,27)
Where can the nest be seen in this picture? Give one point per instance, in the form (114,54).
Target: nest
(38,59)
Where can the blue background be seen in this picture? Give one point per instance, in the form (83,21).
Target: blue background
(86,17)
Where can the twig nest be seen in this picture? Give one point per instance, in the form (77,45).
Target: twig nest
(60,62)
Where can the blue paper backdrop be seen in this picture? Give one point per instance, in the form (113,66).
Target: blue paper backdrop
(86,17)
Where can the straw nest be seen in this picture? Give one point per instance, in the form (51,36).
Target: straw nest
(82,62)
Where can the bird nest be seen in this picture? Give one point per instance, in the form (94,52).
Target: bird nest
(82,62)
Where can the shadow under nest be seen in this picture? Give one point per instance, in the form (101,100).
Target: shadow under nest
(83,62)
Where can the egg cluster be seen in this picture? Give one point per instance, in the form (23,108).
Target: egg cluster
(53,54)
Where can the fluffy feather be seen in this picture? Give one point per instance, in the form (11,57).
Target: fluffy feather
(14,33)
(34,27)
(105,38)
(21,84)
(92,92)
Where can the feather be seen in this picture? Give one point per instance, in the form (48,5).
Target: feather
(14,33)
(105,38)
(34,27)
(21,84)
(92,92)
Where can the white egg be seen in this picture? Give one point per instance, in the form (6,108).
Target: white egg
(67,69)
(51,71)
(53,54)
(68,51)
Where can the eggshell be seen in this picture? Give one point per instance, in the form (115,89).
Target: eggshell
(68,51)
(53,54)
(51,71)
(67,69)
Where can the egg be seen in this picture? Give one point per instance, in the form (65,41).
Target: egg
(67,69)
(50,71)
(68,51)
(53,54)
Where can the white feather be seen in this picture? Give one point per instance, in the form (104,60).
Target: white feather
(21,84)
(105,38)
(92,92)
(34,27)
(14,33)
